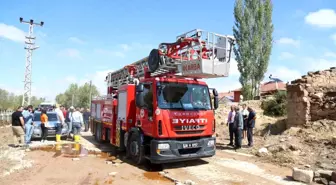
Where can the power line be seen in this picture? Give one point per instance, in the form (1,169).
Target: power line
(30,47)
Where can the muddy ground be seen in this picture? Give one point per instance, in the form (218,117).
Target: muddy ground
(92,163)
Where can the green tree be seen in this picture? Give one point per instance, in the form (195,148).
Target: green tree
(253,29)
(10,101)
(78,96)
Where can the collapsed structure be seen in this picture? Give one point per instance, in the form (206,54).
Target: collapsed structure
(312,98)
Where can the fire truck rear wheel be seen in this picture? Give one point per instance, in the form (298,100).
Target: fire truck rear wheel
(136,150)
(154,60)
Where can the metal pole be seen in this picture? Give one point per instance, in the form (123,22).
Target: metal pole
(30,47)
(90,93)
(72,100)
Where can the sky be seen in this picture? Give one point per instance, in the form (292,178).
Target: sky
(83,40)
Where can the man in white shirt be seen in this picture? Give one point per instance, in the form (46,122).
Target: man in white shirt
(77,122)
(59,125)
(230,121)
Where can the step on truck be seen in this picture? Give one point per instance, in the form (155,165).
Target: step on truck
(157,108)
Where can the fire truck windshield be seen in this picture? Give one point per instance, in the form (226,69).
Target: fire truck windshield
(181,96)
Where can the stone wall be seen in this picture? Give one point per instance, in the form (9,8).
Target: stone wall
(312,97)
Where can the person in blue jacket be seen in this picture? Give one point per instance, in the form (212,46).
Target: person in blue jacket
(28,117)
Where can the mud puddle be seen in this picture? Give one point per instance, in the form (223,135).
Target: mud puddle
(70,150)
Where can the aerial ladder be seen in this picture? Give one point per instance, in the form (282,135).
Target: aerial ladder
(195,54)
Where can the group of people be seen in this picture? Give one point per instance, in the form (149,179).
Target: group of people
(241,124)
(23,123)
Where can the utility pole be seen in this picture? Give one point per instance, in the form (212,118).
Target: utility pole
(90,93)
(72,100)
(30,47)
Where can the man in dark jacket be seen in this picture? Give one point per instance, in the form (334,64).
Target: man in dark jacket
(238,124)
(250,125)
(86,117)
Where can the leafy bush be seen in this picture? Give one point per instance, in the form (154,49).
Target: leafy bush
(277,105)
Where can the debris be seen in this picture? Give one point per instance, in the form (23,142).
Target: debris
(75,159)
(333,140)
(303,175)
(324,174)
(293,147)
(170,178)
(108,162)
(262,152)
(333,176)
(307,166)
(189,182)
(113,173)
(332,183)
(162,173)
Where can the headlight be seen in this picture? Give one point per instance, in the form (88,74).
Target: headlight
(211,143)
(163,146)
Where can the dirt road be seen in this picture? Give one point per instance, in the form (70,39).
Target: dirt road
(85,164)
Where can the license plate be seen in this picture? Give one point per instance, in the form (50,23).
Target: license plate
(190,145)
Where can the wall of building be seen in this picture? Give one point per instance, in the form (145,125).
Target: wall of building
(312,97)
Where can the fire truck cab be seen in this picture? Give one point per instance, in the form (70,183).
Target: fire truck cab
(157,108)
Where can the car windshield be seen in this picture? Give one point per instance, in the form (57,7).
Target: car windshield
(51,117)
(183,96)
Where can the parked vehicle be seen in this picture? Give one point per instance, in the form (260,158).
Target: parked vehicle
(54,124)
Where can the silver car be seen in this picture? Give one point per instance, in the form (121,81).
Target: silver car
(54,123)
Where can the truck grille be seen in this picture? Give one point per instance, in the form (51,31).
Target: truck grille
(189,132)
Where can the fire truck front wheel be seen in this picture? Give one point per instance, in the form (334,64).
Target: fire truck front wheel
(135,149)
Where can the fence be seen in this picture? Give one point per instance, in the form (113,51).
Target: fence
(5,118)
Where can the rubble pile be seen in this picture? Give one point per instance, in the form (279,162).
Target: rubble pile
(312,98)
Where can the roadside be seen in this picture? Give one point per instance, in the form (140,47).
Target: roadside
(93,163)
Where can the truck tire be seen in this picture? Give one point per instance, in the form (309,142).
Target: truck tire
(135,149)
(98,132)
(154,60)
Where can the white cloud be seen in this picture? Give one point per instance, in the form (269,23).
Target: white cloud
(224,84)
(283,73)
(288,41)
(98,79)
(330,54)
(233,68)
(333,37)
(315,64)
(324,18)
(70,52)
(286,55)
(76,40)
(12,33)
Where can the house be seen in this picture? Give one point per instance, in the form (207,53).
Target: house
(267,88)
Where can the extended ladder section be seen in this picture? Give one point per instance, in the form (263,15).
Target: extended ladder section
(195,54)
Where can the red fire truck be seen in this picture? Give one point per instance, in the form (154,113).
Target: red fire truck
(157,108)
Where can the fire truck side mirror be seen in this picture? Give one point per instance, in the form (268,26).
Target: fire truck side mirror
(216,102)
(139,100)
(215,93)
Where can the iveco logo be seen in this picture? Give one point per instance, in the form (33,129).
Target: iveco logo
(186,121)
